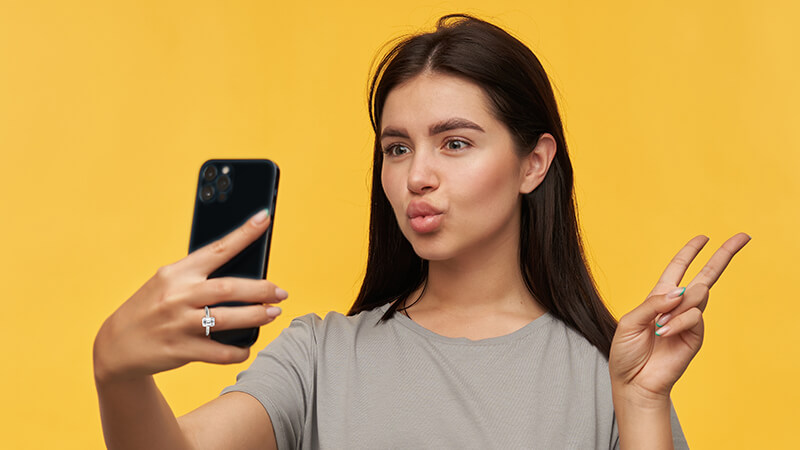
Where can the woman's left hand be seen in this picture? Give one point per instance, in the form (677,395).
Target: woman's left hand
(655,342)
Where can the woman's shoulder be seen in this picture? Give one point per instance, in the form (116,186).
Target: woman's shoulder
(336,318)
(567,340)
(338,324)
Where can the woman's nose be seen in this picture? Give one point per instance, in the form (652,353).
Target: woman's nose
(423,174)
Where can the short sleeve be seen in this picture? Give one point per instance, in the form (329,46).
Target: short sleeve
(282,379)
(678,439)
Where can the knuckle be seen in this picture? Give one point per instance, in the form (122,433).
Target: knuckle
(251,227)
(224,354)
(688,318)
(223,288)
(166,300)
(701,290)
(240,355)
(219,246)
(270,290)
(263,319)
(247,230)
(681,260)
(728,249)
(229,354)
(165,272)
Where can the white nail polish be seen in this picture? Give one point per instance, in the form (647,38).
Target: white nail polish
(261,216)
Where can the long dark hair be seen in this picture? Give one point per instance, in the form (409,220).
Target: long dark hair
(551,256)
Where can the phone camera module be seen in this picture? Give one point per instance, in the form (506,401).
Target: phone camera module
(207,193)
(210,172)
(223,183)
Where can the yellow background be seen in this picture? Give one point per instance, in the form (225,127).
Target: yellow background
(681,118)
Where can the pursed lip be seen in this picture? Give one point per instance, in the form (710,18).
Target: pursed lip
(420,208)
(423,217)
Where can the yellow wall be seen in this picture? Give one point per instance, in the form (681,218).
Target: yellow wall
(682,119)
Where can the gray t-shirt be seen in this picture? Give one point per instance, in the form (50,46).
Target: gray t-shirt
(356,382)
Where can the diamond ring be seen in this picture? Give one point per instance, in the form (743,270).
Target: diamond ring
(208,322)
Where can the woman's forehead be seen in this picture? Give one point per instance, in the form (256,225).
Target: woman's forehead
(434,98)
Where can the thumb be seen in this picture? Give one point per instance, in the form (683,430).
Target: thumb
(643,315)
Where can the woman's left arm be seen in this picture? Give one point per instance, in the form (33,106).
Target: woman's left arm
(655,342)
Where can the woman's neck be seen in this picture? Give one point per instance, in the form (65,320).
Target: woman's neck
(476,296)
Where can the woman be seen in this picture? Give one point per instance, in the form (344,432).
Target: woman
(478,323)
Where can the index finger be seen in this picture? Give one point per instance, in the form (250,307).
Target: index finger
(711,272)
(677,267)
(208,258)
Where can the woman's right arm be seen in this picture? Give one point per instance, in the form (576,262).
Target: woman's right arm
(159,328)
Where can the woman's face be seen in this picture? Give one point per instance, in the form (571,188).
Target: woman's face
(450,169)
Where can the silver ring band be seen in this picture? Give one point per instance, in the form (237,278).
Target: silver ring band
(208,322)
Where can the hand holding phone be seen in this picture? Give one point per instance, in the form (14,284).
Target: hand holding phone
(159,327)
(228,192)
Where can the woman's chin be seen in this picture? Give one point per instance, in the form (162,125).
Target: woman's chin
(430,252)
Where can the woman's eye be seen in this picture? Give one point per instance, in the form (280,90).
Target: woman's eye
(396,150)
(456,144)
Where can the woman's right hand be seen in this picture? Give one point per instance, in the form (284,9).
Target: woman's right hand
(159,327)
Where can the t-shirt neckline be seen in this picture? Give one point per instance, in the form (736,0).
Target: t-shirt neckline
(528,328)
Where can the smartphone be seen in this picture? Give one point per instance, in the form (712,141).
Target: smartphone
(229,192)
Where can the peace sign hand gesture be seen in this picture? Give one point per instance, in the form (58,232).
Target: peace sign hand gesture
(655,343)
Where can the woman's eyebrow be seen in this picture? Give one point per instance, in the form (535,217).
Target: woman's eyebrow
(440,127)
(394,132)
(453,124)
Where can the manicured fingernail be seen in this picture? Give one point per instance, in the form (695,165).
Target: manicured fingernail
(663,320)
(261,216)
(663,330)
(676,293)
(273,311)
(281,294)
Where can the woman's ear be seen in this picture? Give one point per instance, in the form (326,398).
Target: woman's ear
(536,164)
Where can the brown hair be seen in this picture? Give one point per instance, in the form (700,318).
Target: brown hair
(551,256)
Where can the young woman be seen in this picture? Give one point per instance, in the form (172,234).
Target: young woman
(478,324)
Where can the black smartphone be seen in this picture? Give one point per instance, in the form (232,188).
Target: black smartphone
(229,192)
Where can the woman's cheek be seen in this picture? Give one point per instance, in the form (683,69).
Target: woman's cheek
(391,187)
(386,181)
(490,193)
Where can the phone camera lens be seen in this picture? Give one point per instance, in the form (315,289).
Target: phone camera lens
(210,173)
(207,193)
(223,183)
